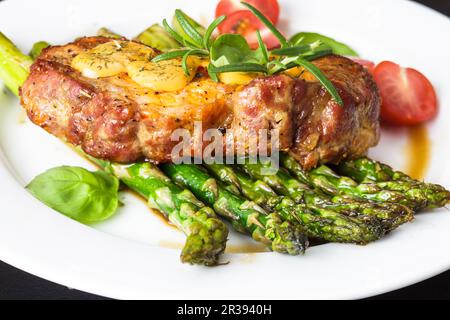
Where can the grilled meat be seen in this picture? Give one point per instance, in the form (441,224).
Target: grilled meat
(117,119)
(328,133)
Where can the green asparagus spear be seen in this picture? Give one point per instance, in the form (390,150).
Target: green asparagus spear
(246,216)
(156,37)
(330,225)
(14,65)
(37,49)
(365,170)
(319,222)
(391,215)
(256,190)
(206,234)
(332,183)
(328,181)
(414,195)
(105,32)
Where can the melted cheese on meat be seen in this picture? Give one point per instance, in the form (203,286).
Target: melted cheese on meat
(165,75)
(115,57)
(239,78)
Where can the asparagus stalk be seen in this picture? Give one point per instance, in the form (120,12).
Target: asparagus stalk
(206,235)
(37,49)
(105,32)
(246,216)
(416,196)
(391,215)
(256,190)
(319,222)
(14,65)
(385,204)
(332,183)
(156,37)
(330,225)
(365,170)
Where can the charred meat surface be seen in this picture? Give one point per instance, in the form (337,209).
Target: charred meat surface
(115,118)
(328,133)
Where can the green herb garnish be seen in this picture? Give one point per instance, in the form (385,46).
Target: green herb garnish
(232,53)
(79,194)
(337,47)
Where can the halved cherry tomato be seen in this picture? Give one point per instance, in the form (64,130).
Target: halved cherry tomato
(246,23)
(366,63)
(408,96)
(270,8)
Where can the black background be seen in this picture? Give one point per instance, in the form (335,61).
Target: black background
(16,284)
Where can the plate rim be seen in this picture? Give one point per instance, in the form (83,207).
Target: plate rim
(23,261)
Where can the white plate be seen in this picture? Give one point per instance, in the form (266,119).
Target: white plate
(131,255)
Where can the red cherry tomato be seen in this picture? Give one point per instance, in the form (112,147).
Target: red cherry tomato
(270,8)
(246,23)
(408,96)
(366,63)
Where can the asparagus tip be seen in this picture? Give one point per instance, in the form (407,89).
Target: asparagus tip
(287,237)
(205,245)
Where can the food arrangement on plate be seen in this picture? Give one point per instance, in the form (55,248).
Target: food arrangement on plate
(119,102)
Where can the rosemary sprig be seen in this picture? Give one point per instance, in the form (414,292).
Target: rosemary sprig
(232,53)
(268,24)
(263,48)
(321,77)
(240,67)
(209,32)
(193,34)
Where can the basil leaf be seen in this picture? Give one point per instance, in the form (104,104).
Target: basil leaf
(231,49)
(337,47)
(79,194)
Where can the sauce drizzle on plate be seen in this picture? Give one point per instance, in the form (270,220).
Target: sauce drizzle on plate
(418,152)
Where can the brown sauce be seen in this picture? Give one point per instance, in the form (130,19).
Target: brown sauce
(418,152)
(157,213)
(247,248)
(170,245)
